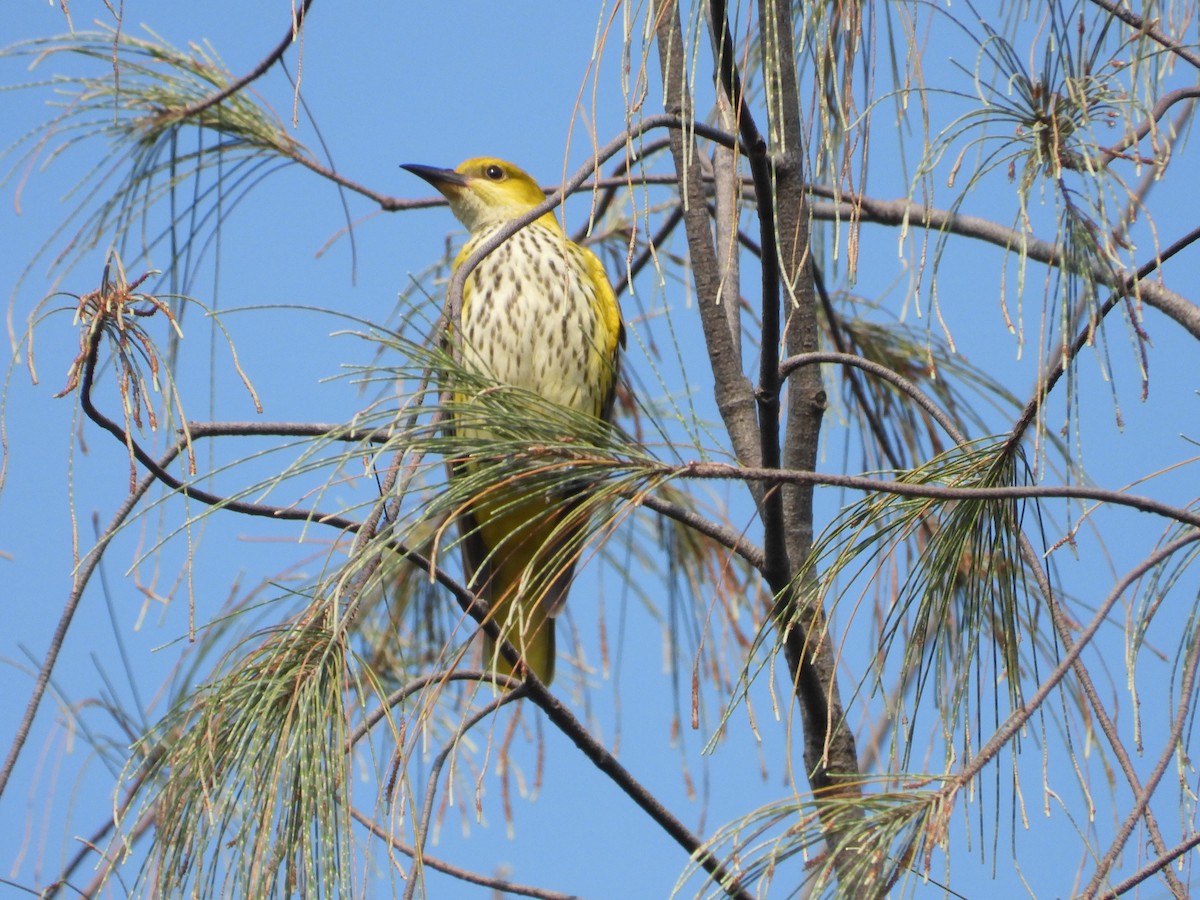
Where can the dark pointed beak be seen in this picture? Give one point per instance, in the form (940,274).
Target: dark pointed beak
(439,178)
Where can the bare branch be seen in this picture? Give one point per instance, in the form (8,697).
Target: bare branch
(1017,720)
(903,213)
(734,395)
(1136,22)
(500,885)
(435,772)
(935,412)
(1165,102)
(563,719)
(258,71)
(83,576)
(727,537)
(1141,805)
(722,471)
(1143,874)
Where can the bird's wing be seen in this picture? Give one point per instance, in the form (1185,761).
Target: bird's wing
(612,337)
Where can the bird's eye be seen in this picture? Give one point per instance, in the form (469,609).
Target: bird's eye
(494,172)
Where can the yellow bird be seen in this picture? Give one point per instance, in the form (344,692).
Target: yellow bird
(538,313)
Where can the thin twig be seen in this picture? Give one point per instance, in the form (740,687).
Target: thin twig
(1165,102)
(1047,381)
(500,885)
(83,575)
(1019,717)
(622,177)
(118,844)
(935,412)
(903,213)
(435,772)
(722,534)
(724,471)
(1142,874)
(1142,801)
(874,421)
(1106,725)
(254,74)
(648,252)
(562,718)
(1133,20)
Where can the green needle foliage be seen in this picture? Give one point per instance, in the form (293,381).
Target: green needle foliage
(144,114)
(893,834)
(962,611)
(248,776)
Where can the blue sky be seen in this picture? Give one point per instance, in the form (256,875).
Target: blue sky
(434,84)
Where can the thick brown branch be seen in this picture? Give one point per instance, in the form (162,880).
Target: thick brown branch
(789,299)
(766,394)
(732,390)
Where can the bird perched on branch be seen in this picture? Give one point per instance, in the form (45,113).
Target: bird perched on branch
(538,313)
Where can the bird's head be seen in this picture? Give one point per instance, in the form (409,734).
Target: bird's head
(485,191)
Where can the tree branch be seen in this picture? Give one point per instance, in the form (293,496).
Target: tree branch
(777,168)
(1141,805)
(904,213)
(1164,103)
(1136,22)
(257,72)
(1164,860)
(499,885)
(868,484)
(1017,720)
(435,771)
(733,393)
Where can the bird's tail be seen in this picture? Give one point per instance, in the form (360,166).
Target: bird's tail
(535,644)
(525,582)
